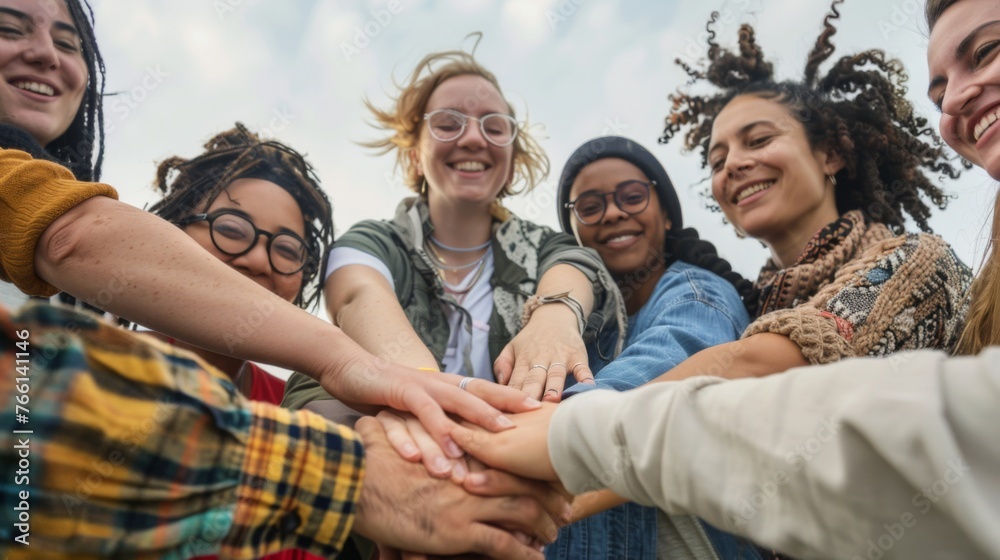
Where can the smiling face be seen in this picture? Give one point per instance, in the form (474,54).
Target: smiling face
(468,170)
(42,66)
(766,178)
(963,57)
(271,209)
(626,244)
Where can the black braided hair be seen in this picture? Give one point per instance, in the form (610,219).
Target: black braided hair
(85,135)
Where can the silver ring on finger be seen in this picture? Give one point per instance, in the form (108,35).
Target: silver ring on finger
(546,368)
(578,364)
(464,383)
(558,364)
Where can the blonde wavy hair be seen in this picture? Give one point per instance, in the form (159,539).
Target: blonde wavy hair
(404,118)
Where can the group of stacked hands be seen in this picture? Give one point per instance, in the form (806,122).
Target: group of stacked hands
(122,444)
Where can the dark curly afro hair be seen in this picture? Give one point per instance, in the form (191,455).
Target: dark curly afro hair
(858,110)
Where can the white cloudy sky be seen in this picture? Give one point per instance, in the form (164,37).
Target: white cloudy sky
(186,69)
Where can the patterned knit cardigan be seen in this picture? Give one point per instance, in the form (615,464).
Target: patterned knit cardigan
(858,290)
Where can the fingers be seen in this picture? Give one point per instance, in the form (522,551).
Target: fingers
(399,436)
(581,371)
(497,543)
(555,381)
(435,459)
(503,367)
(498,483)
(502,398)
(533,380)
(519,513)
(428,398)
(467,406)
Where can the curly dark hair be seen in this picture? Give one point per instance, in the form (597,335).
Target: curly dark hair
(858,110)
(85,135)
(189,186)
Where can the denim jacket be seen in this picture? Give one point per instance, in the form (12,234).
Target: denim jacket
(691,309)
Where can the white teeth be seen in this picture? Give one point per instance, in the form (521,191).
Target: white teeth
(985,123)
(621,238)
(36,87)
(753,190)
(470,166)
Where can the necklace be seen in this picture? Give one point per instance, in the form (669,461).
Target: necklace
(459,249)
(460,293)
(442,267)
(438,261)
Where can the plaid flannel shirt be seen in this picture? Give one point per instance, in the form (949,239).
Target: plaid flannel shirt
(139,450)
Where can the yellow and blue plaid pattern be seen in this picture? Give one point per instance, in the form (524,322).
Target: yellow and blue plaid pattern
(139,450)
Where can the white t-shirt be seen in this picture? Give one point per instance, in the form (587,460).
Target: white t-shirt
(478,302)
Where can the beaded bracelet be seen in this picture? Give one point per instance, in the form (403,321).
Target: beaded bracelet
(536,301)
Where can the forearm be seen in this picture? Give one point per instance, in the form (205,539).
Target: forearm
(593,503)
(567,278)
(756,356)
(563,278)
(135,265)
(370,314)
(781,460)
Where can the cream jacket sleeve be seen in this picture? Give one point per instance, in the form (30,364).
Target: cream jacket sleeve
(865,458)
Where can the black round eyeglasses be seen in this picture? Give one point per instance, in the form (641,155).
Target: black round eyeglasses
(235,234)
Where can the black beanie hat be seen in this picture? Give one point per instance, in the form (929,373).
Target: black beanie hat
(622,148)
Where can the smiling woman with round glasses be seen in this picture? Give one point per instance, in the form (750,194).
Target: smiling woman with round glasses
(681,298)
(455,281)
(239,190)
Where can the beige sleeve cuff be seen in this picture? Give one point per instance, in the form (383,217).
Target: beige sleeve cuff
(821,337)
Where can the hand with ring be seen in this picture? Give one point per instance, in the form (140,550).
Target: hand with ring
(535,361)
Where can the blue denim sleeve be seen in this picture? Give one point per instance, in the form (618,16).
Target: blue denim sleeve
(690,310)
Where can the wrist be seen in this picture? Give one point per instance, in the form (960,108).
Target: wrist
(536,302)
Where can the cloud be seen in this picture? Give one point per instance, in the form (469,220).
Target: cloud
(600,62)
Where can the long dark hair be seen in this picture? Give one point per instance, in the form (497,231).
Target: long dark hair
(191,185)
(85,135)
(858,110)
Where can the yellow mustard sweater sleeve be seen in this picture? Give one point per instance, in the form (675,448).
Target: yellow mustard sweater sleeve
(33,194)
